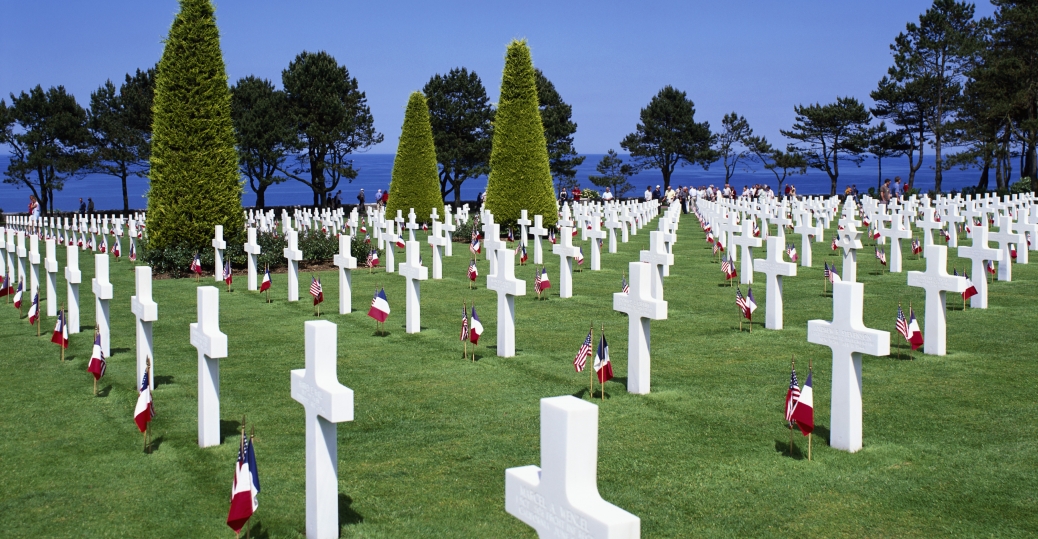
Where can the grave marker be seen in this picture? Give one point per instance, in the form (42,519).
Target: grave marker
(774,267)
(293,255)
(102,289)
(253,250)
(211,344)
(73,277)
(145,311)
(641,307)
(567,252)
(747,241)
(936,281)
(346,263)
(218,247)
(50,263)
(507,287)
(415,272)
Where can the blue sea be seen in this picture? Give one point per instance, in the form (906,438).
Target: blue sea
(375,170)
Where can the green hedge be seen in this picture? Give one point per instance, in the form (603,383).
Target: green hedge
(416,180)
(520,177)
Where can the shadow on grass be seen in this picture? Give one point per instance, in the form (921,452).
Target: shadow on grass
(104,391)
(821,433)
(155,443)
(229,429)
(120,350)
(381,333)
(783,448)
(164,380)
(256,530)
(347,516)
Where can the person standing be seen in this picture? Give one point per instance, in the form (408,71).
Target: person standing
(896,190)
(360,201)
(82,206)
(648,193)
(607,196)
(576,194)
(884,192)
(385,198)
(90,205)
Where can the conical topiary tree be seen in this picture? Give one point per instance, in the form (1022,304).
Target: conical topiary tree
(195,183)
(520,177)
(416,180)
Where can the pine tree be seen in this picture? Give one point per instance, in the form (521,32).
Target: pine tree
(195,183)
(416,180)
(520,177)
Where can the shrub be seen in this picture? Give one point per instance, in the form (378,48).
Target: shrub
(416,180)
(194,174)
(520,176)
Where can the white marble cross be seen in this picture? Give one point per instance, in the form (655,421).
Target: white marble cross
(412,225)
(492,242)
(218,246)
(211,344)
(848,338)
(936,281)
(979,252)
(102,289)
(73,277)
(806,230)
(849,239)
(145,311)
(507,287)
(929,224)
(1005,237)
(774,267)
(896,232)
(567,253)
(448,228)
(1023,228)
(346,263)
(524,224)
(22,255)
(50,263)
(595,234)
(415,272)
(747,241)
(641,307)
(253,250)
(538,231)
(293,255)
(34,264)
(612,223)
(438,242)
(657,257)
(325,402)
(560,499)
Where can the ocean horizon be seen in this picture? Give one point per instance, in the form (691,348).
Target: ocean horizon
(375,171)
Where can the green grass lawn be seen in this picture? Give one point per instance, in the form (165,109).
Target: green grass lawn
(950,443)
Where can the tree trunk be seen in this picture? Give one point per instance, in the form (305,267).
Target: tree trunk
(457,193)
(1030,167)
(261,200)
(879,180)
(982,184)
(939,165)
(126,198)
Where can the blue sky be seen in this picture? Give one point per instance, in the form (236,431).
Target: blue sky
(607,59)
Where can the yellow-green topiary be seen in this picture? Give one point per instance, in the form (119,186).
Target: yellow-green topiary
(195,183)
(416,180)
(520,177)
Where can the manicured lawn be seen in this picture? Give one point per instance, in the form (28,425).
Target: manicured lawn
(950,443)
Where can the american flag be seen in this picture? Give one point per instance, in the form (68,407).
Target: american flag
(716,245)
(826,272)
(473,272)
(916,247)
(464,325)
(726,267)
(585,352)
(793,395)
(624,287)
(536,281)
(524,257)
(316,290)
(881,255)
(740,301)
(902,323)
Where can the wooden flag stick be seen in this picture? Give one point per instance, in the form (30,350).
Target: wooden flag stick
(590,376)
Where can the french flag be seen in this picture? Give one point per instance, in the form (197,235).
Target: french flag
(265,285)
(60,336)
(145,409)
(379,306)
(803,410)
(970,289)
(18,295)
(97,364)
(915,334)
(476,329)
(400,242)
(34,310)
(245,488)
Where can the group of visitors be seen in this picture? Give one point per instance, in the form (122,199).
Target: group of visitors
(888,191)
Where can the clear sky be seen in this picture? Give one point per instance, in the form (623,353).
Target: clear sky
(607,59)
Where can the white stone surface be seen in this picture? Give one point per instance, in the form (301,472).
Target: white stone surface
(848,338)
(1006,237)
(218,247)
(211,344)
(252,249)
(50,263)
(507,288)
(979,252)
(34,264)
(145,311)
(325,402)
(849,240)
(657,257)
(438,242)
(747,242)
(567,253)
(538,231)
(102,288)
(73,277)
(936,281)
(641,307)
(774,267)
(560,499)
(293,255)
(596,234)
(415,273)
(346,263)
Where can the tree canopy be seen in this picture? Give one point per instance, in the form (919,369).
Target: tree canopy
(668,135)
(415,182)
(559,127)
(828,134)
(120,123)
(613,173)
(462,122)
(266,135)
